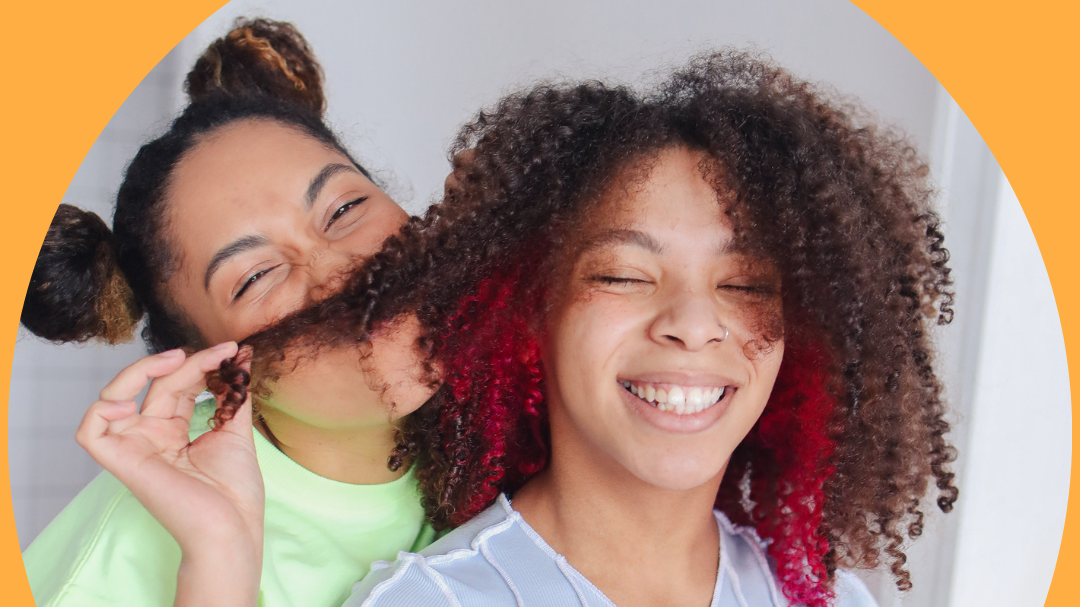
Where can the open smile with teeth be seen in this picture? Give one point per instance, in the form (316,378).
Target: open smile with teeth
(681,400)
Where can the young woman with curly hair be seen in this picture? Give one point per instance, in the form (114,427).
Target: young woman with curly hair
(246,209)
(682,345)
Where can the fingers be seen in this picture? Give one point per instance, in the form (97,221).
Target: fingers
(95,424)
(128,383)
(171,394)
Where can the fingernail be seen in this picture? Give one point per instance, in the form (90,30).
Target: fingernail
(173,353)
(224,346)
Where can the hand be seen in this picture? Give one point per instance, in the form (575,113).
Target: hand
(208,493)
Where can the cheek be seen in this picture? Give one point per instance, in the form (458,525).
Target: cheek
(766,367)
(241,320)
(217,322)
(758,321)
(588,338)
(398,366)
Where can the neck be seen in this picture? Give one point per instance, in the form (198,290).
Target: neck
(638,543)
(354,455)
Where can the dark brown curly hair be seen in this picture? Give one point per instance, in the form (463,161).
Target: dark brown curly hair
(835,470)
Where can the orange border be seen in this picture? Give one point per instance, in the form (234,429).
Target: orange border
(71,64)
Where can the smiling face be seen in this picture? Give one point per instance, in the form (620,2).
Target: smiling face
(654,354)
(264,220)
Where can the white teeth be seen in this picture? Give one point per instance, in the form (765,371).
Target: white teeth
(677,397)
(683,401)
(694,399)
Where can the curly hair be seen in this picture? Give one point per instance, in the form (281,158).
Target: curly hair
(834,471)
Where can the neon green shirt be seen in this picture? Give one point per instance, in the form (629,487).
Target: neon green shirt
(105,549)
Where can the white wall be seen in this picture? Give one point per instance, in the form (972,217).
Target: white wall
(403,76)
(1016,476)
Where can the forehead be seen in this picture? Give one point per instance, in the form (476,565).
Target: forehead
(248,150)
(245,167)
(668,196)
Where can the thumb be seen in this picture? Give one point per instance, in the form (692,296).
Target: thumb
(240,424)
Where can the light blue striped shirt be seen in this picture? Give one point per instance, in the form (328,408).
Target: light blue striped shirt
(498,560)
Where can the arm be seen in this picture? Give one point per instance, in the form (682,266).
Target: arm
(207,493)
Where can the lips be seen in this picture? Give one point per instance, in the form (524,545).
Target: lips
(675,398)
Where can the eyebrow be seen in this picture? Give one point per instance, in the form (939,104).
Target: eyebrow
(642,240)
(631,237)
(229,251)
(320,180)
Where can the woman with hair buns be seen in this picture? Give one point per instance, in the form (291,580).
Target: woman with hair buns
(245,210)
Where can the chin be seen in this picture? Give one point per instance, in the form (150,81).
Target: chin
(675,473)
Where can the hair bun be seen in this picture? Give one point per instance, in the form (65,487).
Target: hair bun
(259,57)
(77,292)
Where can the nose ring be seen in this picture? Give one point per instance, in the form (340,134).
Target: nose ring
(726,333)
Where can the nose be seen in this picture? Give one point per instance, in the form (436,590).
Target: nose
(689,320)
(327,269)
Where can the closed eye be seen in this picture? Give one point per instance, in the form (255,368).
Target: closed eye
(343,209)
(610,280)
(251,281)
(754,289)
